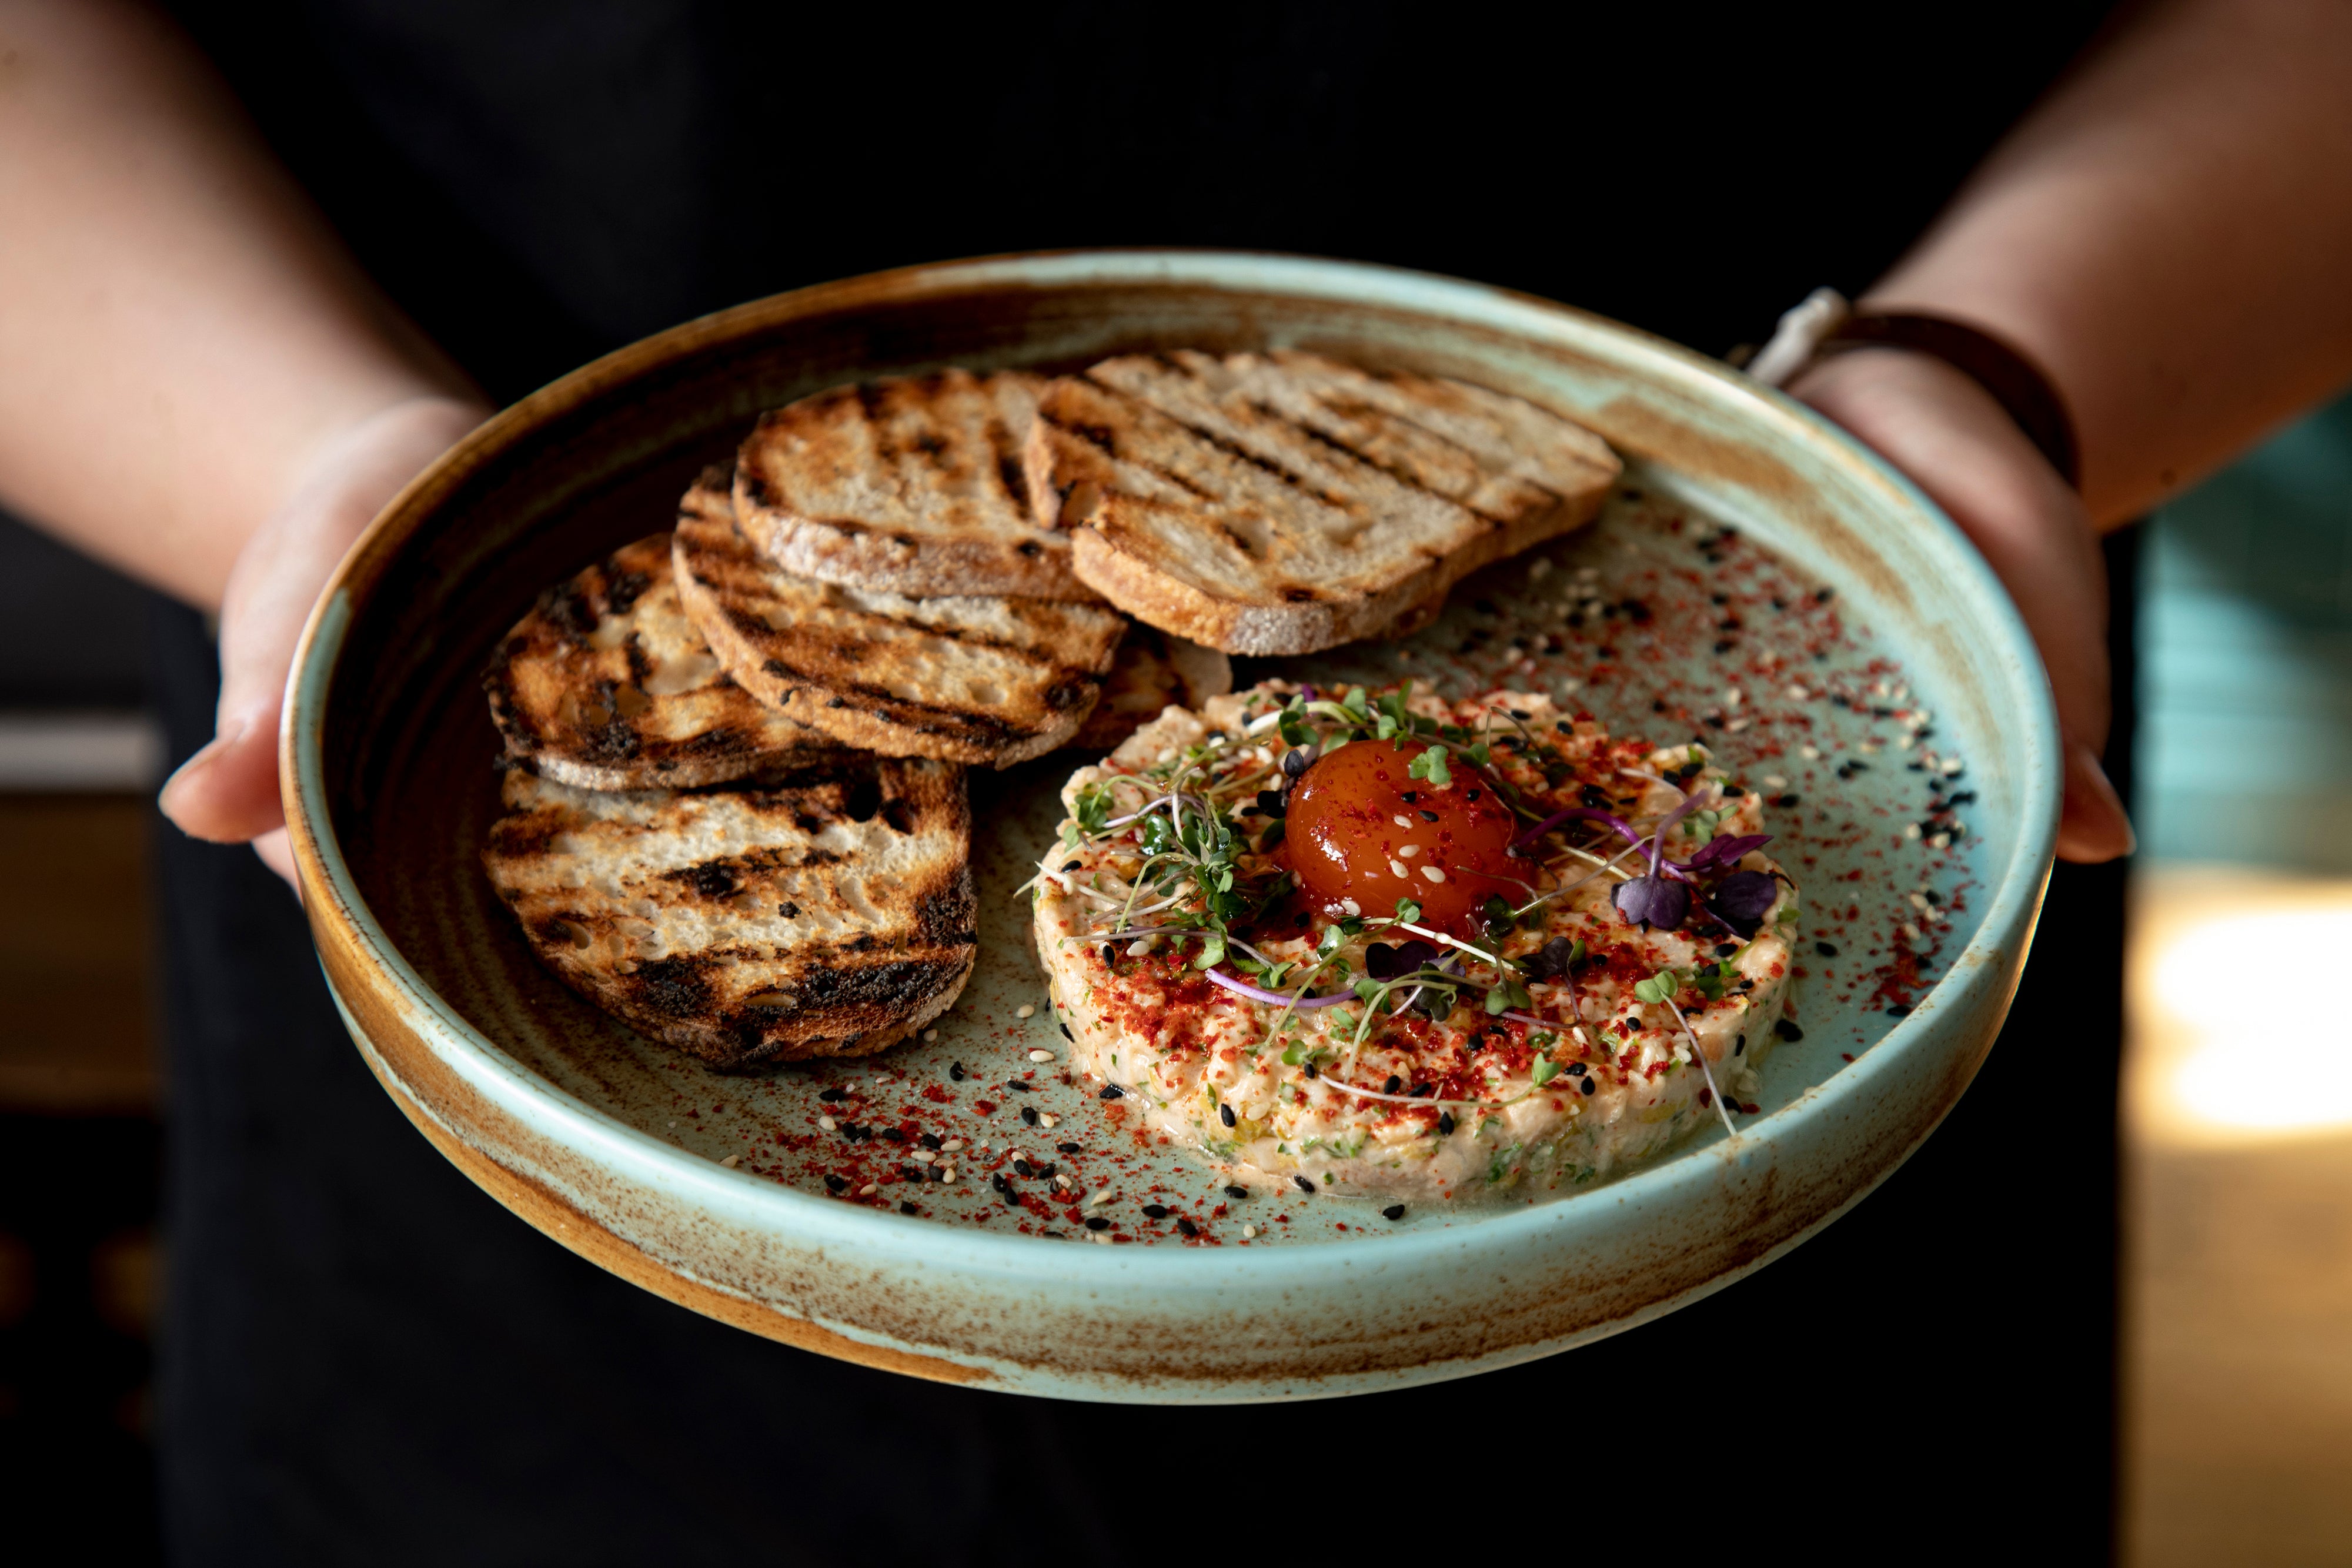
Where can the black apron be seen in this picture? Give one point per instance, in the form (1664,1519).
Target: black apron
(366,1359)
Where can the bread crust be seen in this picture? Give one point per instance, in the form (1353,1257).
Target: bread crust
(819,912)
(1284,503)
(1153,672)
(909,485)
(608,684)
(1000,679)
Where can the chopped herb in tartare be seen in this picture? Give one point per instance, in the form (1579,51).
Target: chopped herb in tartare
(1409,949)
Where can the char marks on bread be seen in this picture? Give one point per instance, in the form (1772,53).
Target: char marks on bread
(820,912)
(909,485)
(1284,503)
(608,684)
(967,677)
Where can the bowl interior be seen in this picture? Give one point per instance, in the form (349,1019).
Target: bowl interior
(1763,552)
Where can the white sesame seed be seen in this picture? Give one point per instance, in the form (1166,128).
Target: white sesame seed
(1041,1056)
(1432,873)
(1098,1237)
(1774,781)
(1408,852)
(1952,765)
(1099,1199)
(1910,830)
(1910,933)
(1025,1011)
(930,1034)
(947,1173)
(951,1145)
(1047,1119)
(1798,695)
(673,1123)
(1918,904)
(731,1161)
(923,1156)
(1736,726)
(1904,742)
(1402,821)
(867,1191)
(1869,749)
(828,1123)
(1249,1232)
(1396,868)
(1138,947)
(1941,841)
(1348,906)
(1810,752)
(1062,1181)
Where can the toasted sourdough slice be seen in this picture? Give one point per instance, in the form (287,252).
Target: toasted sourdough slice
(819,912)
(1153,672)
(1282,503)
(607,683)
(970,678)
(908,485)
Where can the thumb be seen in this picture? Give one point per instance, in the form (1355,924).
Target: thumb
(227,792)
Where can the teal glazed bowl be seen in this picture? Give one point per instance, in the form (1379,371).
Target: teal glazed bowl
(612,1145)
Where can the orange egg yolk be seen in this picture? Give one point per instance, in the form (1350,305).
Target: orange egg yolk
(1361,828)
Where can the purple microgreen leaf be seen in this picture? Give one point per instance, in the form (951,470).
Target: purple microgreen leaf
(1741,899)
(1651,901)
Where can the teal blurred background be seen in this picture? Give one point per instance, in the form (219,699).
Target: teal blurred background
(2245,643)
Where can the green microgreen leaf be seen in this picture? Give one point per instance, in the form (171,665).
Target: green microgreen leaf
(1546,1069)
(1407,912)
(1211,950)
(1659,988)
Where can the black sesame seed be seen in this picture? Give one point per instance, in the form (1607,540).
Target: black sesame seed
(1111,1091)
(1068,1148)
(1899,1010)
(1445,1123)
(1394,1084)
(1471,794)
(1517,713)
(1110,955)
(835,1095)
(1784,802)
(837,1184)
(1303,1183)
(1786,1029)
(894,1134)
(1156,1210)
(1428,816)
(955,1071)
(1015,1084)
(1393,1211)
(1739,1045)
(1065,1032)
(929,1140)
(1029,1114)
(1000,1184)
(1421,1091)
(1054,1234)
(1410,797)
(1725,949)
(1225,1114)
(1188,1228)
(1047,1171)
(912,1173)
(1023,1167)
(936,1172)
(1826,950)
(1072,865)
(1097,1222)
(1585,1085)
(909,1209)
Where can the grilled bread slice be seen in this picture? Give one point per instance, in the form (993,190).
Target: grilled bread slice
(970,679)
(819,912)
(1154,670)
(608,684)
(1282,502)
(909,485)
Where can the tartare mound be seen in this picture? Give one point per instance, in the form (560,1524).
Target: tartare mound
(1285,1028)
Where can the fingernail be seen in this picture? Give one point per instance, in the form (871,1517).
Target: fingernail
(2094,826)
(175,789)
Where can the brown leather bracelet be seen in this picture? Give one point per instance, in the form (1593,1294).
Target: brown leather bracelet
(2015,382)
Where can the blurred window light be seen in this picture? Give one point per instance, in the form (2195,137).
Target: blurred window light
(2235,1038)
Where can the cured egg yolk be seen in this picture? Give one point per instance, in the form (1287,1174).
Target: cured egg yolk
(1361,828)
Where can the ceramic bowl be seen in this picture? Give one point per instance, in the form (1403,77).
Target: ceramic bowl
(612,1145)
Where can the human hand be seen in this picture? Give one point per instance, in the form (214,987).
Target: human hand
(227,792)
(1949,435)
